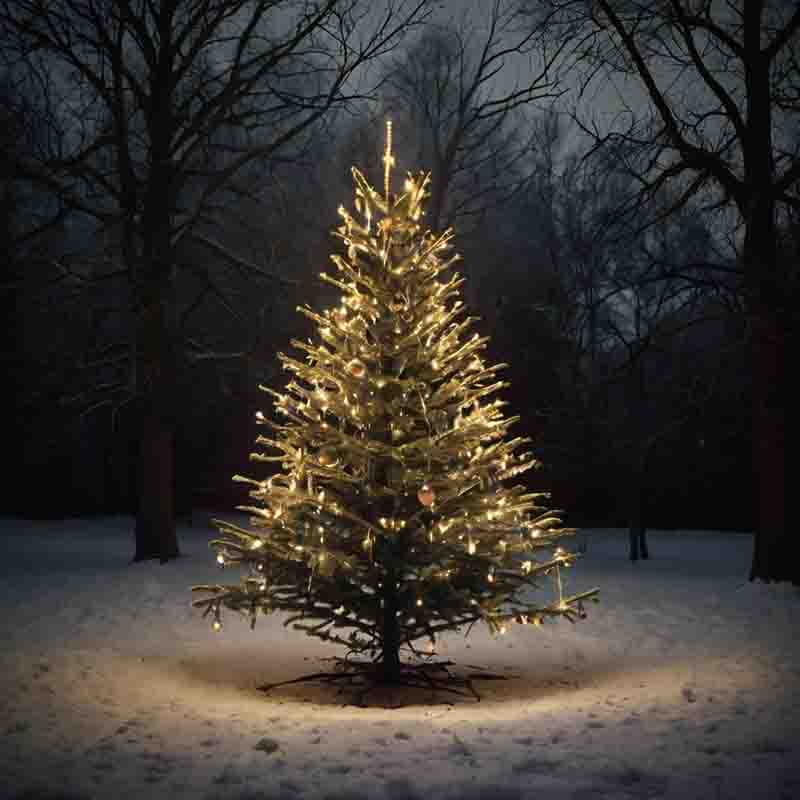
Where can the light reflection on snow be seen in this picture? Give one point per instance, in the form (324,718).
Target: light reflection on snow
(682,682)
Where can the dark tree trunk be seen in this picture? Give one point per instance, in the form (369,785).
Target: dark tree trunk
(774,552)
(774,556)
(155,516)
(157,341)
(390,659)
(637,530)
(637,484)
(157,383)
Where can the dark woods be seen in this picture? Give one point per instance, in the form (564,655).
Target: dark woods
(170,173)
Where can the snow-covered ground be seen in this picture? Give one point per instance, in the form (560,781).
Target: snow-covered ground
(682,683)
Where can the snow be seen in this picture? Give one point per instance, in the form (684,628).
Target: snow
(682,683)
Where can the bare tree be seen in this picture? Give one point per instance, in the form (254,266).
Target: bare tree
(710,105)
(166,106)
(613,304)
(456,90)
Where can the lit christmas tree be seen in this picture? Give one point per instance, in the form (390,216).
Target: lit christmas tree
(390,522)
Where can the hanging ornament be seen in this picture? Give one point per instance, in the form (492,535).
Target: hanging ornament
(328,456)
(357,368)
(426,495)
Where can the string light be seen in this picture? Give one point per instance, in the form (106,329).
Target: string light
(388,160)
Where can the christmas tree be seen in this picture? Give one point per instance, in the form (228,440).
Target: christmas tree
(391,521)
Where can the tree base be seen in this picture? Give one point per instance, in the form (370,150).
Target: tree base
(360,678)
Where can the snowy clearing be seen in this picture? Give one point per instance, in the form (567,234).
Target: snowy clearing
(682,683)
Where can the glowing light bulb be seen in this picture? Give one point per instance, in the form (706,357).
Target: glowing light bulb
(217,626)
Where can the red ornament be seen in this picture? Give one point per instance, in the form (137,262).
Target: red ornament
(357,368)
(426,495)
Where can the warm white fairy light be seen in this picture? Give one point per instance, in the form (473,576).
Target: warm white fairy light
(388,159)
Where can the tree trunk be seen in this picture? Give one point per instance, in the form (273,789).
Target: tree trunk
(155,517)
(774,553)
(391,552)
(641,419)
(637,530)
(774,556)
(390,635)
(156,382)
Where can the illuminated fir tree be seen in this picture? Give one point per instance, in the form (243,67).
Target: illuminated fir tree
(392,521)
